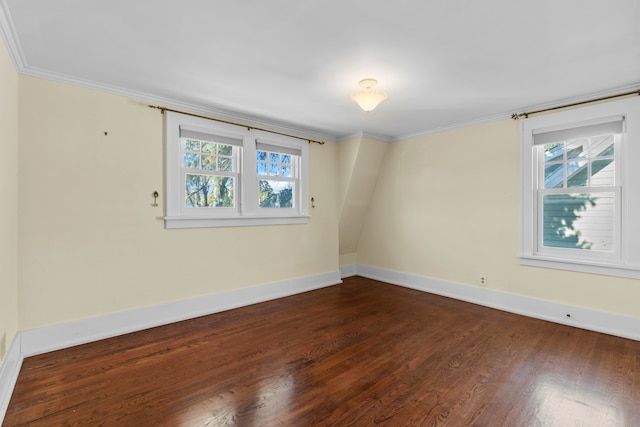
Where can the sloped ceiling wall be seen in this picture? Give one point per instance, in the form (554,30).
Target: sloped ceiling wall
(359,163)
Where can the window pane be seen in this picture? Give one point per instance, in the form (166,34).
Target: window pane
(209,162)
(553,151)
(275,194)
(579,221)
(206,191)
(603,173)
(225,150)
(286,171)
(261,168)
(554,175)
(602,146)
(286,158)
(225,164)
(191,161)
(577,174)
(191,145)
(577,149)
(208,147)
(261,155)
(274,169)
(274,157)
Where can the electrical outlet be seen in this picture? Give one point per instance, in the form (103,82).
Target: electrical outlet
(483,280)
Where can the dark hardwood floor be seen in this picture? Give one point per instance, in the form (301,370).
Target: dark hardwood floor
(358,354)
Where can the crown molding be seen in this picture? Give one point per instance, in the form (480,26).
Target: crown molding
(505,115)
(280,127)
(593,96)
(8,33)
(362,134)
(186,107)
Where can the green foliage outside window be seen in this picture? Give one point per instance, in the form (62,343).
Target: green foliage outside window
(204,191)
(275,194)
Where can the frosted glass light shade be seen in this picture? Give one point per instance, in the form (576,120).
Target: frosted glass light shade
(368,98)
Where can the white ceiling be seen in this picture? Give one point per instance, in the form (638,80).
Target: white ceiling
(292,64)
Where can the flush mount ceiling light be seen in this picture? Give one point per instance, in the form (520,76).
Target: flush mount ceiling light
(368,97)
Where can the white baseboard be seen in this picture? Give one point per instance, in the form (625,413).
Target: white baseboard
(9,371)
(49,338)
(585,318)
(348,270)
(55,337)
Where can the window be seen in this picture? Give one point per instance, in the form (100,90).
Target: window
(218,174)
(578,193)
(209,169)
(581,191)
(277,169)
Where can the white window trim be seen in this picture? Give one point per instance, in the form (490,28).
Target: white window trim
(247,212)
(627,264)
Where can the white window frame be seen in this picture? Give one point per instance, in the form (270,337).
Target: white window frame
(246,211)
(296,165)
(624,261)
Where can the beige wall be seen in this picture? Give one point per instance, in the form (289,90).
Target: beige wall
(9,198)
(347,155)
(359,162)
(447,206)
(91,244)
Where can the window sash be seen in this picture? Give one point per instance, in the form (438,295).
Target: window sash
(212,210)
(294,179)
(577,252)
(294,165)
(588,160)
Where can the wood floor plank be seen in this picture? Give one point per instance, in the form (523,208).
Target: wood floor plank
(362,353)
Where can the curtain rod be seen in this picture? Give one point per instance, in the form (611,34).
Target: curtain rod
(163,109)
(516,116)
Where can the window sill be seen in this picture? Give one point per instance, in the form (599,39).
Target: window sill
(607,269)
(185,222)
